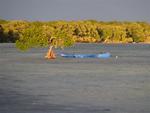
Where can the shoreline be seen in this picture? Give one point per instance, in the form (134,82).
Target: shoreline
(96,43)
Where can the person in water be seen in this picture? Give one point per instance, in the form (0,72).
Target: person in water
(50,54)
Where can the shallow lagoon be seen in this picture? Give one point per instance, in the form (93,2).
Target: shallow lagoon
(31,84)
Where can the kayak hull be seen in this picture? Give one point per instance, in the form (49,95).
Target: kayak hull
(100,55)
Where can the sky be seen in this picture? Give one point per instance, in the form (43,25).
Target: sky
(101,10)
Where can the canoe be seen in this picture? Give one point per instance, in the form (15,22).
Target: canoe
(100,55)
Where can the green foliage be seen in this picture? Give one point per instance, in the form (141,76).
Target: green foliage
(136,31)
(65,33)
(2,35)
(2,21)
(40,37)
(12,29)
(61,39)
(105,33)
(32,37)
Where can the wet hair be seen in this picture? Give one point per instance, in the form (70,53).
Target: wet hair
(50,40)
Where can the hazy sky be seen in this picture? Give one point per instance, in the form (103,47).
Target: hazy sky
(105,10)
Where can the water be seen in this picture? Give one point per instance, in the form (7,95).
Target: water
(31,84)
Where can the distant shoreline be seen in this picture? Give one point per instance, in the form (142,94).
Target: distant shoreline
(97,42)
(87,31)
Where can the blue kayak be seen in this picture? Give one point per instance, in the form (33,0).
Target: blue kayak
(100,55)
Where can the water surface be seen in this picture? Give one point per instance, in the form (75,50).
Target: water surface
(31,84)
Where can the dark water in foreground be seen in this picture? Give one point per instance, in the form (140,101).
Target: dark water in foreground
(31,84)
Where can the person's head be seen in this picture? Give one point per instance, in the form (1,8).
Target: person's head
(51,40)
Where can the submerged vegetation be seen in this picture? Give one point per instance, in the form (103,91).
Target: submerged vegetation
(65,33)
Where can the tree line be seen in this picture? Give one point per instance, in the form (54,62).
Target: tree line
(38,33)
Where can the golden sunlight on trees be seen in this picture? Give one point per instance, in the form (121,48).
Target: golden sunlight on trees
(65,33)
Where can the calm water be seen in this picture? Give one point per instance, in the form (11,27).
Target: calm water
(31,84)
